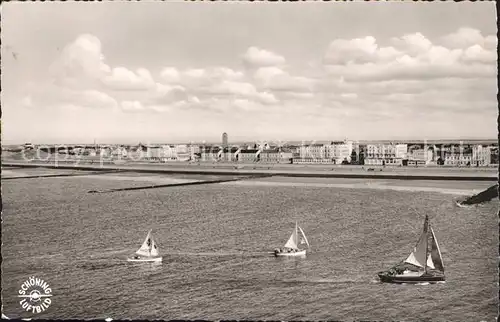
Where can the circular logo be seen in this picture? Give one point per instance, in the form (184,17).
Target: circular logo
(35,294)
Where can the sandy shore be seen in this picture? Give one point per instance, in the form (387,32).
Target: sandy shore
(330,171)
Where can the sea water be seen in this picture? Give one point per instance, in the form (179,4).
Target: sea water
(216,242)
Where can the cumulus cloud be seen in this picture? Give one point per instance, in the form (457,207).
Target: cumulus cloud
(81,63)
(123,79)
(412,56)
(199,76)
(466,37)
(167,94)
(50,96)
(170,75)
(242,90)
(94,99)
(276,79)
(256,57)
(389,75)
(132,106)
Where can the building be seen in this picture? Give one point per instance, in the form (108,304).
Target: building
(275,156)
(420,157)
(481,155)
(385,154)
(193,151)
(210,153)
(457,158)
(494,155)
(154,152)
(339,152)
(247,155)
(169,153)
(314,151)
(105,151)
(119,152)
(182,152)
(299,160)
(224,140)
(229,154)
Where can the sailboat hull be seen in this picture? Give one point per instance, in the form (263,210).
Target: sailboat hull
(401,279)
(145,259)
(291,254)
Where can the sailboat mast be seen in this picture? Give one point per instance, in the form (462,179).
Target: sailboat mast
(426,232)
(296,235)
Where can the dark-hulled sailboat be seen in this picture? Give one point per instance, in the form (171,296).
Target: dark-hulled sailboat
(423,265)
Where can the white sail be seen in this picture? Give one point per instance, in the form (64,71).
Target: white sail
(419,255)
(292,241)
(430,263)
(304,237)
(154,249)
(145,249)
(436,252)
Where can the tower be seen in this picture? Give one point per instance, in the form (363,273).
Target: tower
(224,140)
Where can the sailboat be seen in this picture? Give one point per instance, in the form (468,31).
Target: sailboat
(148,251)
(291,247)
(423,265)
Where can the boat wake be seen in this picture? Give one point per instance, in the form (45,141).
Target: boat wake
(321,281)
(93,266)
(219,254)
(109,254)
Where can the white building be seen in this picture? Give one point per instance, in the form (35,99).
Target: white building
(104,151)
(314,151)
(154,152)
(168,153)
(385,154)
(420,157)
(481,155)
(339,152)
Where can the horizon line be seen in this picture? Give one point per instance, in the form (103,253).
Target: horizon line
(148,142)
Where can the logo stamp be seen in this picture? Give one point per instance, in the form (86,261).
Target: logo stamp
(35,294)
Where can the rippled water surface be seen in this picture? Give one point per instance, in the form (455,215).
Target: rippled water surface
(216,240)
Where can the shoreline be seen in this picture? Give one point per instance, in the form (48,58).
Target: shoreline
(317,171)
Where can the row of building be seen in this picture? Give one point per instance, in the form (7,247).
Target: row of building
(343,152)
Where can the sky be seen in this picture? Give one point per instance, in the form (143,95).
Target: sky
(128,72)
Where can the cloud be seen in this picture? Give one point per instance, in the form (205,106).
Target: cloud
(199,76)
(170,75)
(50,96)
(81,63)
(94,99)
(208,82)
(276,79)
(81,66)
(241,90)
(132,106)
(123,79)
(412,56)
(466,37)
(406,76)
(476,53)
(256,57)
(167,94)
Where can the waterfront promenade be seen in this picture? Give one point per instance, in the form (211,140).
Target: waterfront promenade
(289,170)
